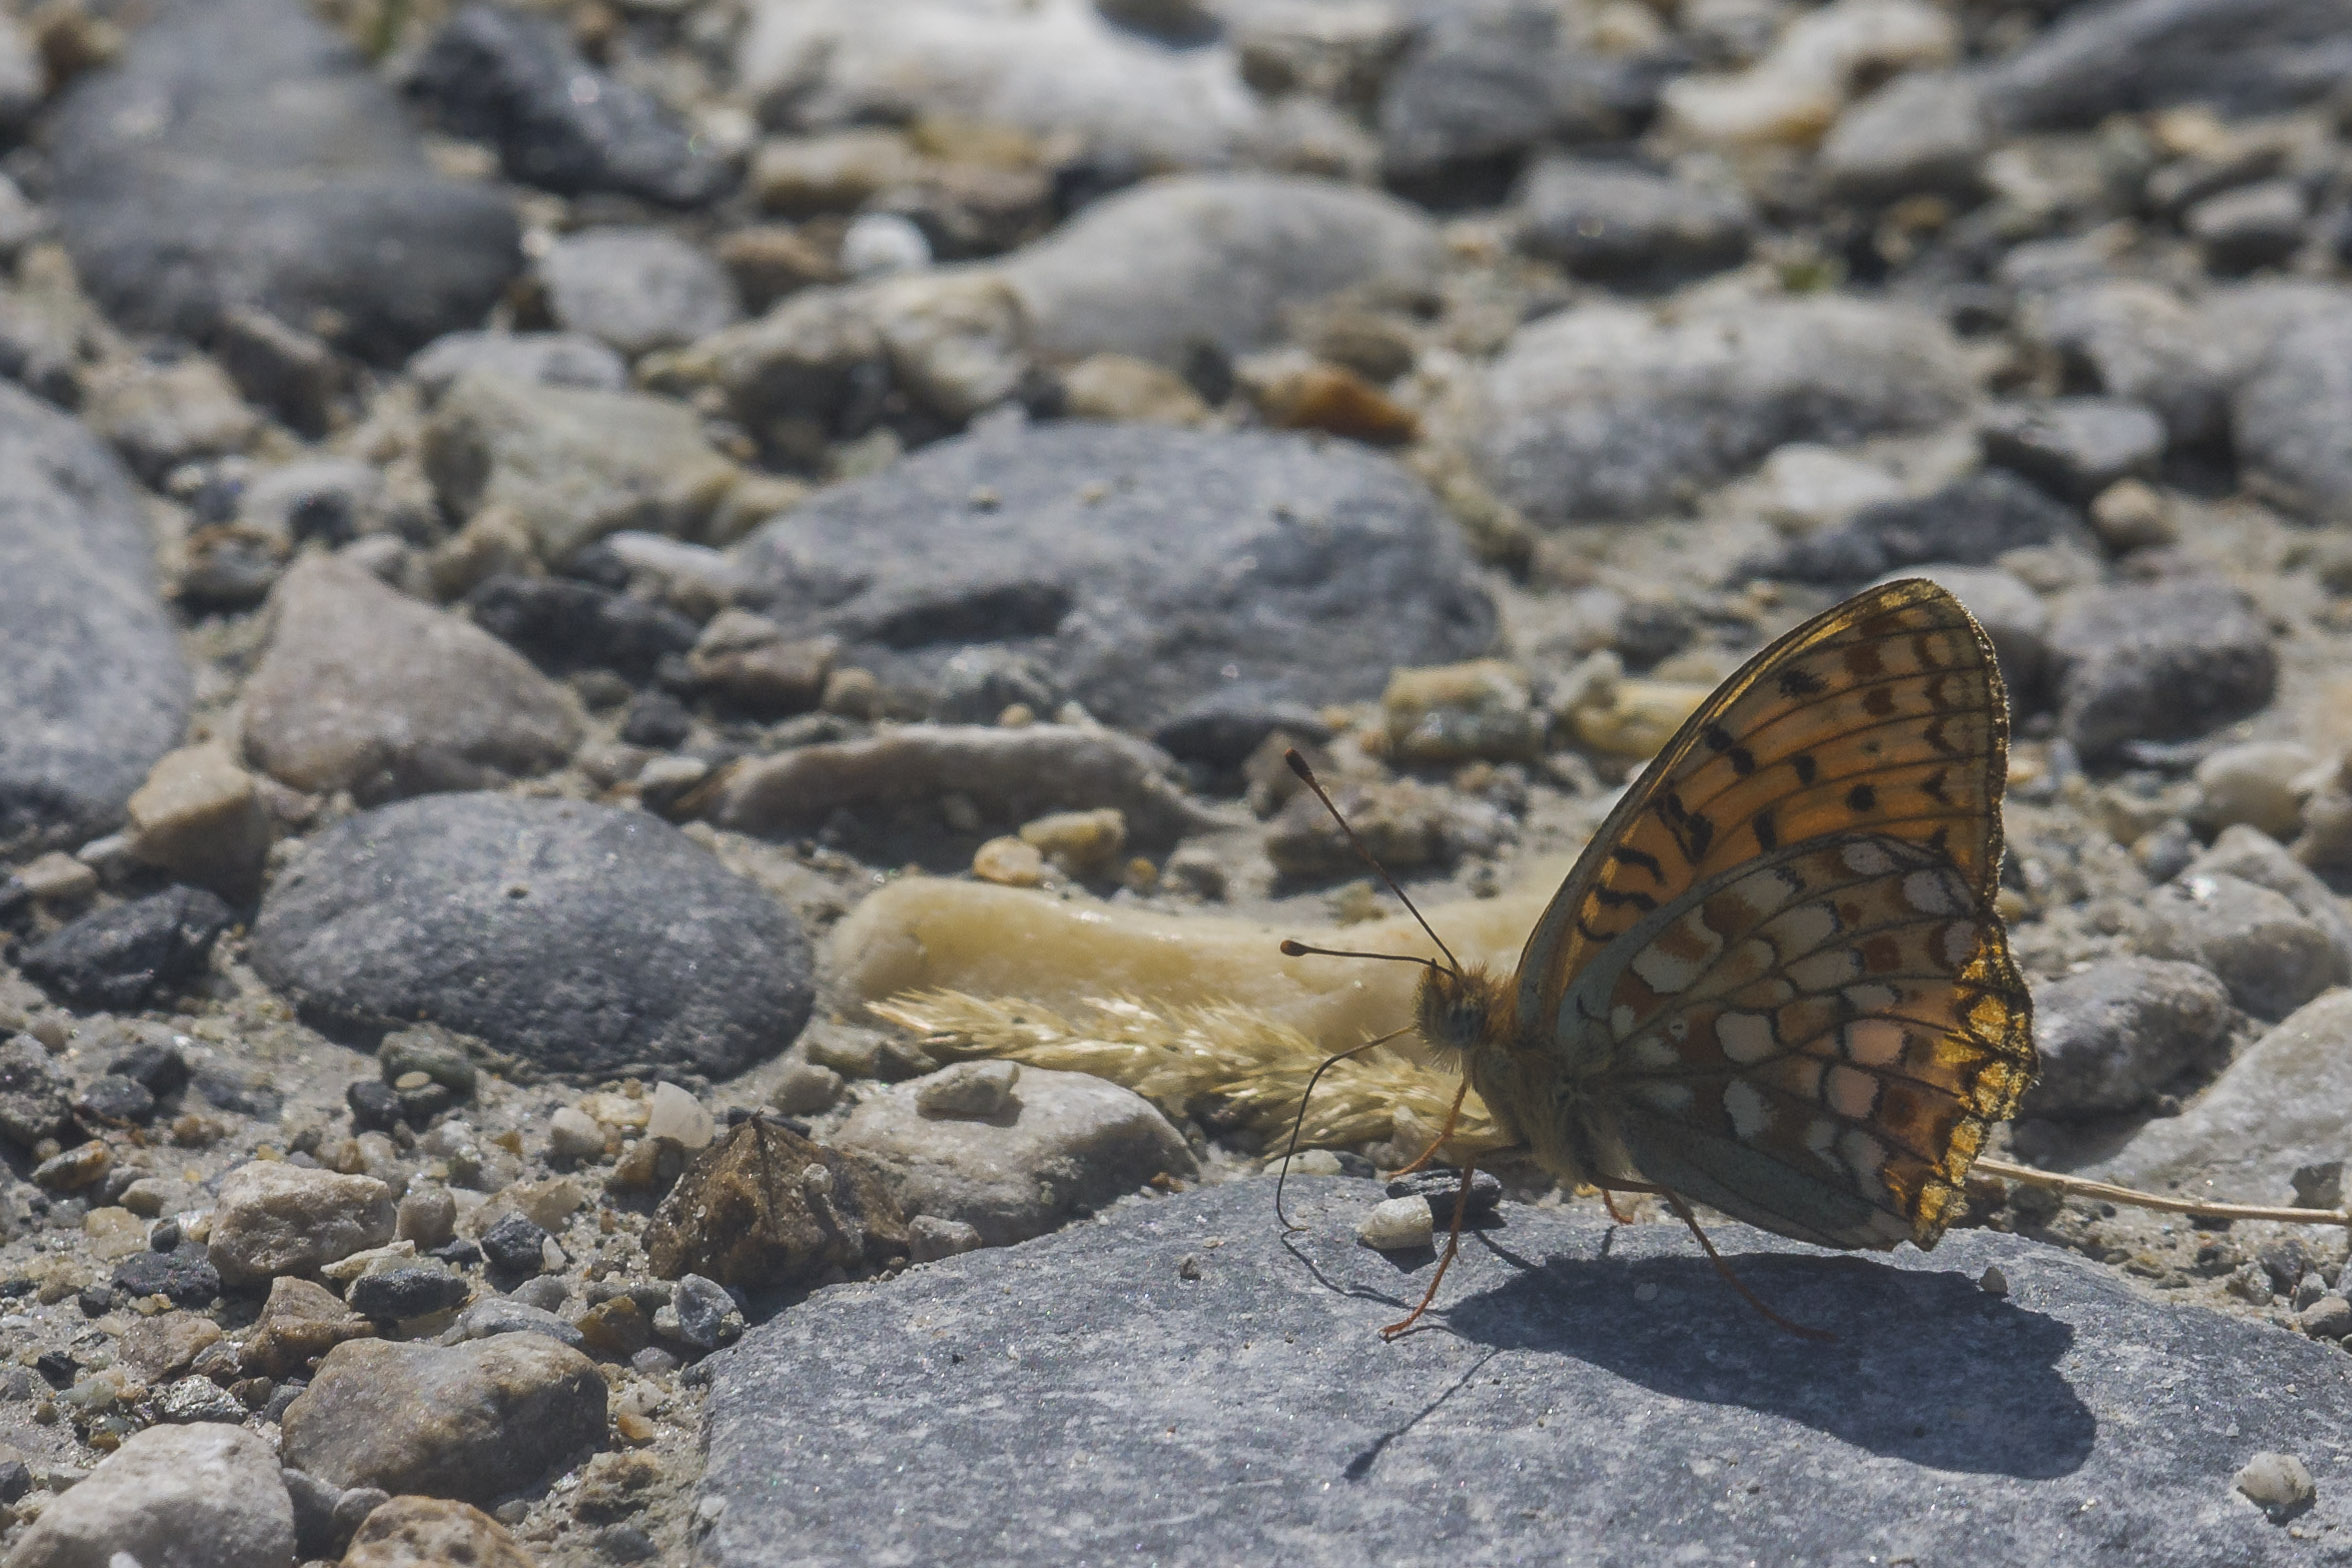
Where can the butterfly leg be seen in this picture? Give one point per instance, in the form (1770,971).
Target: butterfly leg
(1674,1201)
(1443,1133)
(1609,1202)
(1452,1246)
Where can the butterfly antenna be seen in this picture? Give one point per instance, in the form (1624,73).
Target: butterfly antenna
(1298,765)
(1300,1120)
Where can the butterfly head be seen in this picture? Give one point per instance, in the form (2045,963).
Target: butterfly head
(1461,1009)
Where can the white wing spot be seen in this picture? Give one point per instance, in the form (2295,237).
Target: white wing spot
(1821,1137)
(1827,969)
(1750,1113)
(1765,891)
(1650,1052)
(1958,944)
(1850,1093)
(1866,858)
(1932,892)
(1865,1155)
(1874,1042)
(1663,972)
(1745,1037)
(1803,929)
(1621,1020)
(1875,997)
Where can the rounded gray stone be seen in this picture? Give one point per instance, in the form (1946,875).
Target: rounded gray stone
(96,689)
(199,1496)
(2115,1033)
(2287,419)
(593,940)
(241,154)
(636,289)
(1156,572)
(1606,412)
(2271,956)
(1618,222)
(1583,1394)
(2158,661)
(1057,1146)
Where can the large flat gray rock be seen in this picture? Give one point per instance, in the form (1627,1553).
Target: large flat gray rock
(92,686)
(1585,1397)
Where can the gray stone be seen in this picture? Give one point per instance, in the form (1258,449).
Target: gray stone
(396,1294)
(570,464)
(2251,855)
(1618,223)
(2158,661)
(636,289)
(2288,417)
(36,1097)
(505,1315)
(1924,133)
(2115,1033)
(468,1421)
(1969,522)
(1621,1402)
(559,123)
(1065,1144)
(1001,777)
(1152,570)
(1127,101)
(1606,412)
(122,957)
(365,689)
(556,359)
(2272,956)
(242,155)
(601,938)
(160,416)
(2252,226)
(2285,1103)
(2075,446)
(272,1218)
(189,1400)
(2137,341)
(1484,84)
(2239,56)
(204,1496)
(96,688)
(1213,259)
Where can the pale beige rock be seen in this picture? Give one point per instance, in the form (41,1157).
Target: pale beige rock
(1457,712)
(113,1233)
(300,1322)
(468,1421)
(272,1218)
(1009,776)
(202,1496)
(433,1532)
(160,416)
(365,689)
(573,463)
(1123,387)
(1081,843)
(1059,1145)
(200,817)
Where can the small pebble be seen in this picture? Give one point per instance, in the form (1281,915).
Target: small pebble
(679,1117)
(1397,1225)
(573,1134)
(2278,1484)
(804,1088)
(1992,1281)
(514,1245)
(930,1238)
(968,1089)
(1009,862)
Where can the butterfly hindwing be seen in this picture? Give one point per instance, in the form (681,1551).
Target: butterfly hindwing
(1816,1041)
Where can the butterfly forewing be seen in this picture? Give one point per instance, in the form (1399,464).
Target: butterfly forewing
(1775,982)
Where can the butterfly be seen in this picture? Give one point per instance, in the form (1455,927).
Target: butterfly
(1775,982)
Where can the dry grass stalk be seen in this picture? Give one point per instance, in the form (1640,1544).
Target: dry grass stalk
(1188,1059)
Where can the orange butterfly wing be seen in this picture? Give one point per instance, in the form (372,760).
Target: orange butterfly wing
(1775,977)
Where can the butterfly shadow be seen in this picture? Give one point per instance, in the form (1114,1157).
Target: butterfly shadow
(1925,1367)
